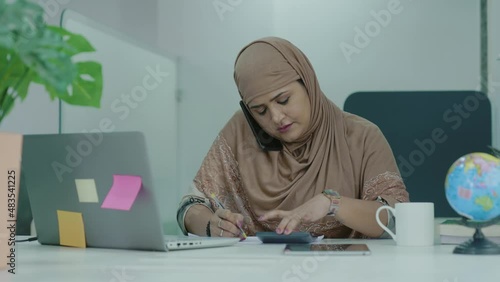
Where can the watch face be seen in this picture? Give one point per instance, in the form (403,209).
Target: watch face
(334,198)
(332,210)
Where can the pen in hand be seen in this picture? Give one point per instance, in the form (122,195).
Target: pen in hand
(222,207)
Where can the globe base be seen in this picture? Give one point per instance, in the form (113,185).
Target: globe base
(479,244)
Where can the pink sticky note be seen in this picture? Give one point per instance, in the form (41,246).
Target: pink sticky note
(122,194)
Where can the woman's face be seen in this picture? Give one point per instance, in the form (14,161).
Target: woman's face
(285,113)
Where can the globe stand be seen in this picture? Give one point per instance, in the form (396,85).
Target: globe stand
(479,244)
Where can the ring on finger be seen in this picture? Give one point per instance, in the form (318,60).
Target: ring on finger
(221,231)
(218,223)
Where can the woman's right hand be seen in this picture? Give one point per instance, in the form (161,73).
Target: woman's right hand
(224,223)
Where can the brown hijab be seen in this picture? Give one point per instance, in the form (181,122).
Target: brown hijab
(339,150)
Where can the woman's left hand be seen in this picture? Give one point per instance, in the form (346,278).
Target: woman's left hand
(312,210)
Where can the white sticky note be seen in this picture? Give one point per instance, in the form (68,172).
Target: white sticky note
(87,192)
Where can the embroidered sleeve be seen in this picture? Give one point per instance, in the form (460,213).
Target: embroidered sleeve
(380,174)
(219,175)
(385,184)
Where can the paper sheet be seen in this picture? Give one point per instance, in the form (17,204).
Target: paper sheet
(123,193)
(251,240)
(71,229)
(255,240)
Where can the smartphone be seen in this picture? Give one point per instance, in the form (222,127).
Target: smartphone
(292,238)
(326,249)
(266,142)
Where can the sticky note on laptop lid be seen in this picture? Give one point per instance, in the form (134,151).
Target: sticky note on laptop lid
(71,229)
(123,192)
(87,192)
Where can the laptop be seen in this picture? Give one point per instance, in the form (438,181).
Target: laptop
(95,190)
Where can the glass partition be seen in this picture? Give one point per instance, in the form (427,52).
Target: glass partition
(139,94)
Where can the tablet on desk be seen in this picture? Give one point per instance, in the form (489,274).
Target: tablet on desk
(292,238)
(326,249)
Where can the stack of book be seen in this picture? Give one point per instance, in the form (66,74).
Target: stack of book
(457,234)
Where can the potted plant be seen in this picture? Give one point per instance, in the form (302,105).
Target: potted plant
(32,51)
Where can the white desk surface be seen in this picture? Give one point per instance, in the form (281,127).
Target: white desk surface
(251,262)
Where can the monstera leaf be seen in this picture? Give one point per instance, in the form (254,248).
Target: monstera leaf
(85,89)
(31,51)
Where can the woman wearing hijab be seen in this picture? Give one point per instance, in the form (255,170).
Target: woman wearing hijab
(333,172)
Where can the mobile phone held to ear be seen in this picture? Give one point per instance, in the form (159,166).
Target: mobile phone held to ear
(266,142)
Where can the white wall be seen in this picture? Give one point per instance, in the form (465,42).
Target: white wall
(425,45)
(494,65)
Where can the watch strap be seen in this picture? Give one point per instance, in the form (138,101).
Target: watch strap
(334,198)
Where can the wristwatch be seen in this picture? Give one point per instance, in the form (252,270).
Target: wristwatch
(334,198)
(382,201)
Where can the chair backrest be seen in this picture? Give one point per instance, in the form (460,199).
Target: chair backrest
(428,131)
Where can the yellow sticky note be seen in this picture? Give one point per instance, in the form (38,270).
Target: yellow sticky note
(71,231)
(86,190)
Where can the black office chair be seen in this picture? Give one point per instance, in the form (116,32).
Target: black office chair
(428,131)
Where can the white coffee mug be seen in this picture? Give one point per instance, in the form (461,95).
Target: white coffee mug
(414,223)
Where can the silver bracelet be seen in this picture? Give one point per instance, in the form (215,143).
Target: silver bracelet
(187,202)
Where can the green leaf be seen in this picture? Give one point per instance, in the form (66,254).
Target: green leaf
(6,39)
(86,89)
(23,85)
(47,57)
(19,20)
(14,75)
(77,42)
(6,105)
(10,64)
(31,51)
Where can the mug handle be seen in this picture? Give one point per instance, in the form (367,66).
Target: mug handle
(381,224)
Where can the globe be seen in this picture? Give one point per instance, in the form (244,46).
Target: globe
(473,186)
